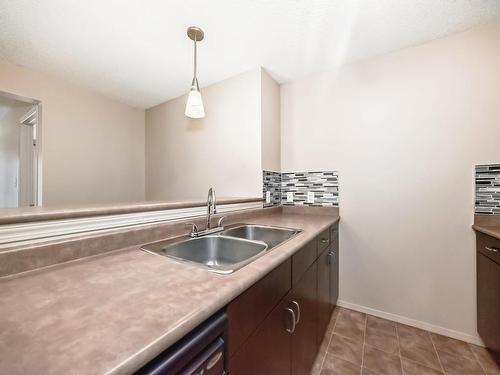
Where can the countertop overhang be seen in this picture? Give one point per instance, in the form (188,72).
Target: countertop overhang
(487,224)
(493,231)
(43,213)
(113,313)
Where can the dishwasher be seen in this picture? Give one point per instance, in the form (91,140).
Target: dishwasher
(200,352)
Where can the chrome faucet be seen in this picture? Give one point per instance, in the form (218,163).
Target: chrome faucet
(211,206)
(211,210)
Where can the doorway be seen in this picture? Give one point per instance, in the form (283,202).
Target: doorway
(20,161)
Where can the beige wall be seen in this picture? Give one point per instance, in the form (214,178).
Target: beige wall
(93,147)
(405,131)
(270,122)
(184,157)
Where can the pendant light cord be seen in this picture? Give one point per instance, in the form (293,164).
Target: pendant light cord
(195,60)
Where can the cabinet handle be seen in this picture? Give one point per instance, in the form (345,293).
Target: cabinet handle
(291,330)
(298,311)
(330,257)
(324,240)
(493,249)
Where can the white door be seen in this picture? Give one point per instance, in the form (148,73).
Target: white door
(28,158)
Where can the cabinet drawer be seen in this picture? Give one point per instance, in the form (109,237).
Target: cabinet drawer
(303,258)
(323,240)
(249,309)
(488,246)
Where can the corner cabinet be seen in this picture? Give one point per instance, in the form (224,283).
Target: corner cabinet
(276,326)
(488,291)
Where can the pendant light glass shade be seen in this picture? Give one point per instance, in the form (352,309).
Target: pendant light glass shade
(194,105)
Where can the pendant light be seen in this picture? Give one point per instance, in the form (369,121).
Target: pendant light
(194,105)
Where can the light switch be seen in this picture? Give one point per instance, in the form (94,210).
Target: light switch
(310,197)
(268,197)
(289,196)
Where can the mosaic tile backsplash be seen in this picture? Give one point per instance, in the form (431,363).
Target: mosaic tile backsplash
(271,183)
(321,187)
(488,189)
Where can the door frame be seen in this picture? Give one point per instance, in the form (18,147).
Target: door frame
(37,198)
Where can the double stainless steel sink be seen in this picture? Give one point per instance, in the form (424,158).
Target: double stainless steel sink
(226,251)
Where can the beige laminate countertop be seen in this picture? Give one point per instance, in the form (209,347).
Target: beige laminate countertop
(112,313)
(493,231)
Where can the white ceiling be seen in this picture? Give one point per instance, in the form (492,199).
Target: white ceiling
(138,52)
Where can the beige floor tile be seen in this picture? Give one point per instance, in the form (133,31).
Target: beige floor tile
(452,346)
(351,326)
(353,315)
(486,360)
(381,324)
(458,365)
(318,362)
(416,345)
(345,348)
(411,336)
(382,340)
(422,356)
(413,368)
(337,366)
(381,362)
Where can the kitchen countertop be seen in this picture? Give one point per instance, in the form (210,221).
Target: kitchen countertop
(493,231)
(112,313)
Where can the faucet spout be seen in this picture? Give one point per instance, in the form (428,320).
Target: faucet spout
(211,206)
(211,209)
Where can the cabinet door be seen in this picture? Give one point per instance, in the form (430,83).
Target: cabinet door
(334,264)
(324,304)
(304,339)
(248,311)
(268,350)
(333,257)
(488,302)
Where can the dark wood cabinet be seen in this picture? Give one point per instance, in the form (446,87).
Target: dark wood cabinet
(324,293)
(248,310)
(333,259)
(304,339)
(303,258)
(268,351)
(276,326)
(488,291)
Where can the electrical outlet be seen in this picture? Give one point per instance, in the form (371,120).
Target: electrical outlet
(268,197)
(310,197)
(289,196)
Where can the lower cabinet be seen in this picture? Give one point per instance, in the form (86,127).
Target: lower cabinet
(324,293)
(488,292)
(281,333)
(304,337)
(333,260)
(268,351)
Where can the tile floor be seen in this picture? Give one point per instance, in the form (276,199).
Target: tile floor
(361,344)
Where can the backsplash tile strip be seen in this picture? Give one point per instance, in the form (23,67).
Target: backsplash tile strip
(324,185)
(271,183)
(488,189)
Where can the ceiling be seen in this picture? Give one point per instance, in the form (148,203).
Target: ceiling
(138,52)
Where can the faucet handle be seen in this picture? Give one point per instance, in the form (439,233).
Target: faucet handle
(194,227)
(219,224)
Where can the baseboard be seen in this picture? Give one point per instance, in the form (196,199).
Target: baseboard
(473,339)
